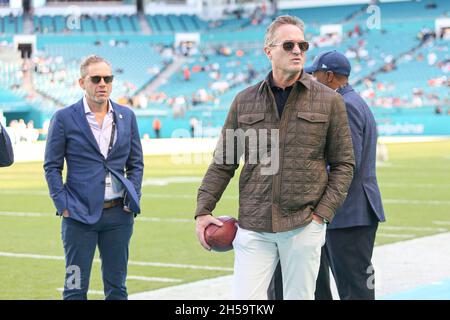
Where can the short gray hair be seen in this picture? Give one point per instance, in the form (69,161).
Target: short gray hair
(279,21)
(91,60)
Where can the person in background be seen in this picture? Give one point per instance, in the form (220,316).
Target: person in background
(351,235)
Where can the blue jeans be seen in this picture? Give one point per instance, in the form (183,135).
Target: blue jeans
(112,234)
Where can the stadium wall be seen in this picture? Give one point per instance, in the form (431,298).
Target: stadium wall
(183,151)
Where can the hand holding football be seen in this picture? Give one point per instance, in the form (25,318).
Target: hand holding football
(221,238)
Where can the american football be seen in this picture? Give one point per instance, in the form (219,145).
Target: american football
(221,238)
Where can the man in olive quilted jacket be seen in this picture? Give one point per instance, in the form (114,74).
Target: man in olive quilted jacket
(288,128)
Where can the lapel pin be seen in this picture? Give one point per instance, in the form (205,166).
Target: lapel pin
(120,116)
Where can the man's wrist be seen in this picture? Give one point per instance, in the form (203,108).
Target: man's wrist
(319,215)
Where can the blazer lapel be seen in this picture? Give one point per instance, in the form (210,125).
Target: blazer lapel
(80,118)
(118,120)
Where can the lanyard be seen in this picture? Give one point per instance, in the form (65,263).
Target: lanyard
(111,140)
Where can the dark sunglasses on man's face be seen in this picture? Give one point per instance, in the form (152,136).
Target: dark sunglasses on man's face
(289,45)
(97,79)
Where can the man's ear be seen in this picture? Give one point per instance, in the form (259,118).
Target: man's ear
(81,83)
(330,76)
(267,52)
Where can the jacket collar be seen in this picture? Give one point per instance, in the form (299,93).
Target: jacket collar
(79,116)
(88,110)
(305,79)
(344,89)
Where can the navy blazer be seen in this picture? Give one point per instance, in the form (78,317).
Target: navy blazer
(83,192)
(6,150)
(363,204)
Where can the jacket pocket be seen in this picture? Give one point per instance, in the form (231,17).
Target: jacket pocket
(311,128)
(251,119)
(312,117)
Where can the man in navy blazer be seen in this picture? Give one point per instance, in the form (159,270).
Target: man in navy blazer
(100,142)
(351,235)
(6,151)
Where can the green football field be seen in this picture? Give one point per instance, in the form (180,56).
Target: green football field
(414,182)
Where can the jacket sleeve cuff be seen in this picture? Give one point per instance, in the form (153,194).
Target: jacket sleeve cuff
(324,212)
(201,211)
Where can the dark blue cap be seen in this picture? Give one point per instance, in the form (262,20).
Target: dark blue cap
(330,61)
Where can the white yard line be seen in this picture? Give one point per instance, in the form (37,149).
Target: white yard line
(398,267)
(193,197)
(93,292)
(170,180)
(23,214)
(139,218)
(155,219)
(382,227)
(415,185)
(406,201)
(134,263)
(153,279)
(394,235)
(445,223)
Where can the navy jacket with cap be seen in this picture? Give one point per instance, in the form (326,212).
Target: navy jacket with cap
(363,205)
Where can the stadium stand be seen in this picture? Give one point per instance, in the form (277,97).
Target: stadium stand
(394,66)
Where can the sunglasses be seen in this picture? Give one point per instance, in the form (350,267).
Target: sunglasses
(289,45)
(97,79)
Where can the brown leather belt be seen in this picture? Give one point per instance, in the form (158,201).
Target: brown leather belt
(112,203)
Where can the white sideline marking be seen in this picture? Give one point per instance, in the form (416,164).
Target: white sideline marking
(134,263)
(413,228)
(153,279)
(394,235)
(98,293)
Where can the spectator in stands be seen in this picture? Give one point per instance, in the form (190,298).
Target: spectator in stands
(351,235)
(186,74)
(157,127)
(193,123)
(142,100)
(251,73)
(99,139)
(6,150)
(32,134)
(280,219)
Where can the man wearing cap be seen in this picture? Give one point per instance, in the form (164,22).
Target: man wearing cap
(351,235)
(6,151)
